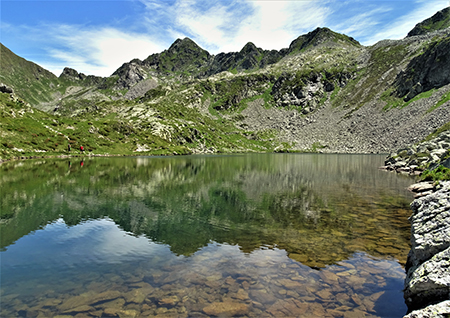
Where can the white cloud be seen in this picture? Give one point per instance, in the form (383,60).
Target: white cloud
(205,26)
(100,51)
(93,51)
(228,26)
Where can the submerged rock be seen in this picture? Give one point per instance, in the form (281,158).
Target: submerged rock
(226,309)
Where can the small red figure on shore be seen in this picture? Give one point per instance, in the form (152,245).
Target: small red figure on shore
(81,149)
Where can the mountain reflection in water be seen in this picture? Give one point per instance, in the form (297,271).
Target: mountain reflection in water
(245,235)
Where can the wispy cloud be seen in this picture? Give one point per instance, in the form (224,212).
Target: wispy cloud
(398,28)
(356,22)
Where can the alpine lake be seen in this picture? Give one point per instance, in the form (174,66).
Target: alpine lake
(251,235)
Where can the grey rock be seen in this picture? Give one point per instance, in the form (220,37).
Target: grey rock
(429,282)
(441,310)
(428,266)
(6,89)
(430,225)
(426,154)
(446,163)
(130,74)
(400,164)
(438,152)
(141,88)
(421,187)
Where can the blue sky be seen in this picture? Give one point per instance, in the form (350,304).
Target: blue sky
(97,37)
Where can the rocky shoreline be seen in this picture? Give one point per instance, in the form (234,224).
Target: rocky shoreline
(427,283)
(429,154)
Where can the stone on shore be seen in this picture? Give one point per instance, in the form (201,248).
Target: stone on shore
(429,282)
(441,310)
(428,265)
(430,224)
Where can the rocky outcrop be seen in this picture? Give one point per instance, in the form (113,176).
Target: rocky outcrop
(70,73)
(426,71)
(427,280)
(183,56)
(305,90)
(87,80)
(227,94)
(414,159)
(130,74)
(428,265)
(140,89)
(250,57)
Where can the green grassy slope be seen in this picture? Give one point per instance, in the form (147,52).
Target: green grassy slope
(29,81)
(120,127)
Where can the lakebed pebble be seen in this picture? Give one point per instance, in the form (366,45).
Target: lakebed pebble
(342,290)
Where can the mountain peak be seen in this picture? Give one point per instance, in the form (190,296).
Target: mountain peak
(184,44)
(69,73)
(250,49)
(439,21)
(184,55)
(320,36)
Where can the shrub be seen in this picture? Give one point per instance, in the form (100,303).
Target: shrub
(441,173)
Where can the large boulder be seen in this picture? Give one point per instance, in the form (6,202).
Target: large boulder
(6,89)
(428,266)
(430,225)
(440,310)
(429,282)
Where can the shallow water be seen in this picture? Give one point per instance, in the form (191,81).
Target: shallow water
(267,235)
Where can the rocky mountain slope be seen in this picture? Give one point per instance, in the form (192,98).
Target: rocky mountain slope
(439,21)
(325,92)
